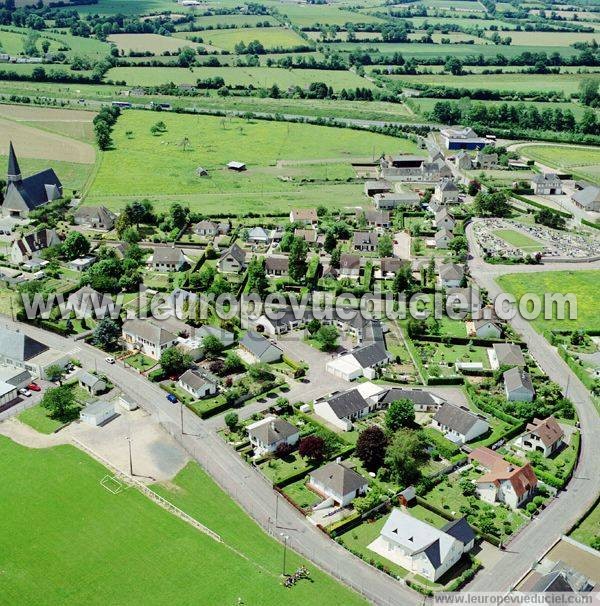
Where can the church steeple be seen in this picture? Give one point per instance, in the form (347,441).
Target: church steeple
(14,172)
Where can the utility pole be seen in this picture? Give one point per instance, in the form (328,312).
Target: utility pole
(130,457)
(276,509)
(181,411)
(285,540)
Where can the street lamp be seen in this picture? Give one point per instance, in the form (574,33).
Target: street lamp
(285,540)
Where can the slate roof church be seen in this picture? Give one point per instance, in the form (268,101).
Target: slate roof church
(25,195)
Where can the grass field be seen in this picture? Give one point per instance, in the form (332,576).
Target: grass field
(256,76)
(589,529)
(584,284)
(270,37)
(237,20)
(307,14)
(145,165)
(550,38)
(127,7)
(37,417)
(122,548)
(518,239)
(148,42)
(582,162)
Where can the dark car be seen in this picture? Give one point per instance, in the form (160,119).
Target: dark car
(172,398)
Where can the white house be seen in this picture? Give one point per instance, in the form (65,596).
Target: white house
(268,433)
(98,413)
(505,354)
(446,192)
(233,260)
(542,435)
(259,235)
(451,275)
(349,265)
(546,184)
(444,220)
(503,482)
(306,216)
(518,386)
(167,258)
(147,337)
(338,484)
(422,548)
(459,424)
(442,238)
(31,245)
(198,383)
(485,329)
(360,361)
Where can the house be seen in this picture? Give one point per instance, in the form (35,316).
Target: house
(458,137)
(398,199)
(349,265)
(446,192)
(463,300)
(24,195)
(30,246)
(365,241)
(485,161)
(233,260)
(91,383)
(376,218)
(377,187)
(390,266)
(588,198)
(463,160)
(451,275)
(562,580)
(147,337)
(505,354)
(542,435)
(503,482)
(206,228)
(81,264)
(306,216)
(94,217)
(167,258)
(486,329)
(546,184)
(258,235)
(227,338)
(236,166)
(458,423)
(308,235)
(517,385)
(338,484)
(444,219)
(442,238)
(98,413)
(259,348)
(199,383)
(277,265)
(407,167)
(422,548)
(423,401)
(268,433)
(359,362)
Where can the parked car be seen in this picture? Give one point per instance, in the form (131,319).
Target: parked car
(34,387)
(110,360)
(172,398)
(24,392)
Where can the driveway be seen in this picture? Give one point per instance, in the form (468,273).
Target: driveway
(402,248)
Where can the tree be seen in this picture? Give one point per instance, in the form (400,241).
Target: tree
(492,204)
(458,244)
(178,215)
(313,326)
(103,131)
(473,187)
(403,280)
(260,372)
(467,487)
(400,413)
(330,241)
(75,245)
(550,218)
(60,403)
(231,420)
(588,91)
(233,363)
(106,334)
(257,277)
(186,56)
(327,337)
(335,257)
(54,372)
(211,346)
(404,456)
(297,261)
(454,66)
(312,447)
(370,447)
(174,362)
(385,246)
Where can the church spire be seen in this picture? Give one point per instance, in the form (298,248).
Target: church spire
(14,172)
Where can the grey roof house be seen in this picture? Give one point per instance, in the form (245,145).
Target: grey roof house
(337,483)
(458,423)
(260,348)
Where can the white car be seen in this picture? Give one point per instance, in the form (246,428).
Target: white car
(24,392)
(110,360)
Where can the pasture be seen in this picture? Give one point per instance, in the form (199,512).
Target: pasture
(236,20)
(550,38)
(123,548)
(270,37)
(147,42)
(160,168)
(581,161)
(234,76)
(305,15)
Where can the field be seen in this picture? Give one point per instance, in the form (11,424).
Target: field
(307,14)
(270,37)
(237,20)
(158,167)
(233,76)
(589,529)
(518,239)
(583,162)
(37,417)
(122,548)
(550,38)
(148,42)
(584,284)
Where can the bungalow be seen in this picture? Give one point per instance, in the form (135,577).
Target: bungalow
(423,401)
(206,228)
(451,275)
(94,217)
(365,241)
(259,235)
(542,435)
(376,218)
(87,302)
(459,424)
(268,433)
(199,383)
(30,246)
(98,413)
(485,329)
(503,482)
(517,385)
(377,187)
(442,238)
(306,216)
(308,235)
(259,348)
(422,548)
(280,321)
(546,184)
(390,266)
(463,300)
(505,354)
(588,198)
(167,258)
(446,192)
(399,199)
(81,264)
(227,338)
(233,260)
(277,265)
(349,266)
(361,361)
(147,337)
(91,383)
(338,484)
(444,220)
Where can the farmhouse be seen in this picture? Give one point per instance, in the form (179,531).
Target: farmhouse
(442,238)
(308,235)
(30,246)
(268,433)
(542,435)
(233,260)
(365,241)
(349,265)
(459,424)
(25,195)
(306,216)
(505,354)
(398,199)
(485,161)
(422,548)
(423,401)
(198,383)
(446,192)
(259,348)
(407,167)
(503,482)
(546,184)
(167,258)
(94,217)
(588,198)
(98,413)
(458,137)
(463,160)
(277,265)
(147,337)
(517,385)
(337,483)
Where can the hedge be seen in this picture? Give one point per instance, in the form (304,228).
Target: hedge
(344,525)
(444,381)
(446,448)
(477,342)
(590,224)
(466,576)
(562,213)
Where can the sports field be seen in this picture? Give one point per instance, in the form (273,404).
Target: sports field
(585,285)
(518,239)
(78,543)
(583,162)
(159,167)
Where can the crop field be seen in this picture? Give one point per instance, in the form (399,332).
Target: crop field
(113,548)
(147,42)
(581,161)
(585,285)
(159,167)
(270,37)
(257,76)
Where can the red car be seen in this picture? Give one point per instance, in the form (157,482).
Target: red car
(34,387)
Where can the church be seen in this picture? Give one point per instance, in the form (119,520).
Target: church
(24,195)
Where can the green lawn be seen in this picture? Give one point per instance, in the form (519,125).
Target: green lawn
(589,529)
(140,362)
(301,495)
(585,285)
(519,240)
(279,469)
(37,417)
(123,549)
